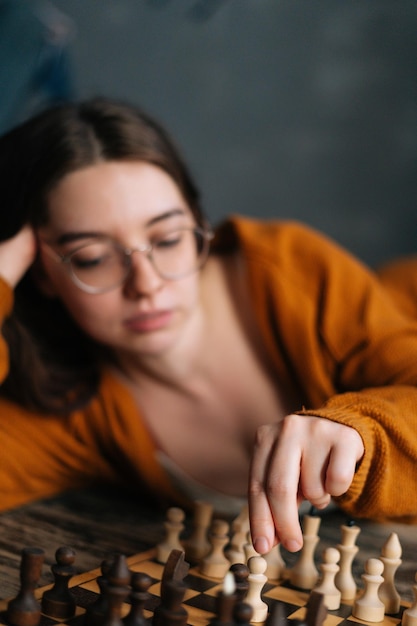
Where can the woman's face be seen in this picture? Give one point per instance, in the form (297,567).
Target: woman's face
(133,203)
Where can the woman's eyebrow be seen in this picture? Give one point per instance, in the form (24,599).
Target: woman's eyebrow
(165,216)
(71,236)
(76,236)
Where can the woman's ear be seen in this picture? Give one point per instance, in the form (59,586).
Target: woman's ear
(42,280)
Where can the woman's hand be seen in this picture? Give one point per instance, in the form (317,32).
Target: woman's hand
(301,458)
(17,255)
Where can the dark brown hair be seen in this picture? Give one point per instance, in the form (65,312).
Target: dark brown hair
(54,366)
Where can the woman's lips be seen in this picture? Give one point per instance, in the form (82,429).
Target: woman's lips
(146,322)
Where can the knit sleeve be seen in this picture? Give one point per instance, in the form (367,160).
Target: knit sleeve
(346,350)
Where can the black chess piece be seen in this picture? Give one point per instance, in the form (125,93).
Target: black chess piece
(171,612)
(225,605)
(96,612)
(139,595)
(116,590)
(240,572)
(24,609)
(59,602)
(242,613)
(277,616)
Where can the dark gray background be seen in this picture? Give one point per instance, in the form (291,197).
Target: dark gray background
(289,109)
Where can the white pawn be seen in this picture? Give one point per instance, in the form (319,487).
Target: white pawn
(369,607)
(248,548)
(410,615)
(215,564)
(327,587)
(257,580)
(344,580)
(391,558)
(173,527)
(304,574)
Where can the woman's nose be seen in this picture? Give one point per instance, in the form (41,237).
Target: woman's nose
(143,279)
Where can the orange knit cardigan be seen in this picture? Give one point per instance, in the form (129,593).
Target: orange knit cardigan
(334,334)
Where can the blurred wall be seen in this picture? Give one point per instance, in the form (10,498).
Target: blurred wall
(284,108)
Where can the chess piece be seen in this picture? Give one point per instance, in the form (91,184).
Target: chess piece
(277,616)
(240,572)
(326,586)
(369,607)
(316,611)
(225,602)
(197,546)
(171,611)
(25,610)
(304,574)
(240,530)
(176,568)
(391,558)
(275,564)
(248,548)
(94,615)
(59,602)
(215,564)
(344,580)
(410,615)
(257,581)
(116,590)
(140,583)
(242,614)
(174,526)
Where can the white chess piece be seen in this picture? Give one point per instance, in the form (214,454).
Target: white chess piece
(327,587)
(173,527)
(240,530)
(215,564)
(391,558)
(257,580)
(369,607)
(304,574)
(197,546)
(275,564)
(344,580)
(410,615)
(248,548)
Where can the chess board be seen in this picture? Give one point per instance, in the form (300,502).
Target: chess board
(199,599)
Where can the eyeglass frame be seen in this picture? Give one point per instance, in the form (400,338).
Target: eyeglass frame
(146,249)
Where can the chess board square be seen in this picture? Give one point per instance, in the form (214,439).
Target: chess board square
(198,583)
(285,594)
(203,602)
(152,568)
(345,610)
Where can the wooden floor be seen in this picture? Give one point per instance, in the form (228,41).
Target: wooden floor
(99,523)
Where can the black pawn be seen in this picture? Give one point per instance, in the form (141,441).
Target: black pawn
(242,614)
(96,612)
(59,602)
(139,595)
(240,572)
(277,616)
(25,610)
(171,612)
(225,604)
(116,590)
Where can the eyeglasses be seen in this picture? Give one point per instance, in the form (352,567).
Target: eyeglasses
(103,264)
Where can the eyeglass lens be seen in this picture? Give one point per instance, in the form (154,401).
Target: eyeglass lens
(104,264)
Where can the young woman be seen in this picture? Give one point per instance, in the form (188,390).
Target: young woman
(141,348)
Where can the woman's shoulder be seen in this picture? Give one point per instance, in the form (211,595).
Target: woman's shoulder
(294,247)
(399,277)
